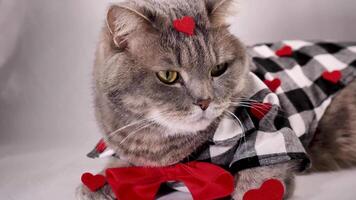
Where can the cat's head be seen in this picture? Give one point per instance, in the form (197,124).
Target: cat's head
(182,83)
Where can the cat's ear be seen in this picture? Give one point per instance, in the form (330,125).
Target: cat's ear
(219,10)
(122,21)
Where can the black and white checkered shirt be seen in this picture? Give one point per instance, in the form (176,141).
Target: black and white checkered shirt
(296,106)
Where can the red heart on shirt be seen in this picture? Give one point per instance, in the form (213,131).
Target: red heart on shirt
(185,25)
(94,183)
(333,76)
(285,51)
(270,190)
(259,110)
(101,146)
(274,84)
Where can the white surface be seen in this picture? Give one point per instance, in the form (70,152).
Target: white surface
(46,117)
(53,173)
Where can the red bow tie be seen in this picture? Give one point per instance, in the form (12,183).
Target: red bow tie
(205,181)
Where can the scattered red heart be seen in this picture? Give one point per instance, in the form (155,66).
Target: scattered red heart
(274,84)
(259,110)
(270,190)
(285,51)
(185,25)
(333,76)
(94,183)
(101,146)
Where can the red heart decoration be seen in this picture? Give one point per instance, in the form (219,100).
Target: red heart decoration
(94,183)
(333,76)
(185,25)
(274,84)
(285,51)
(270,190)
(101,146)
(259,110)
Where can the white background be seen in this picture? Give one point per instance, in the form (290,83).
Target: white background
(47,123)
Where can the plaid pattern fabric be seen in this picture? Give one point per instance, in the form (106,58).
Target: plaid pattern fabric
(290,115)
(297,105)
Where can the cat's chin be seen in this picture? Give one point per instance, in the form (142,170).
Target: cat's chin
(188,128)
(184,127)
(190,125)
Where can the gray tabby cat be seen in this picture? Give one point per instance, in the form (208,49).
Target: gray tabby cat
(159,95)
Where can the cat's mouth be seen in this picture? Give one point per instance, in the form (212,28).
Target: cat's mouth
(202,118)
(191,123)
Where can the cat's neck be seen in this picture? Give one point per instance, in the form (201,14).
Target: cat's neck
(151,147)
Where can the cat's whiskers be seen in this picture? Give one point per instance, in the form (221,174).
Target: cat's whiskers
(146,123)
(249,101)
(258,109)
(126,126)
(237,119)
(243,136)
(136,131)
(138,122)
(245,99)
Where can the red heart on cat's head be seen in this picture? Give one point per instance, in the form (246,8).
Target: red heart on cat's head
(333,76)
(274,84)
(259,110)
(94,183)
(270,190)
(185,25)
(285,51)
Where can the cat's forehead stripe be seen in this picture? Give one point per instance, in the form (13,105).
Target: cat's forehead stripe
(194,51)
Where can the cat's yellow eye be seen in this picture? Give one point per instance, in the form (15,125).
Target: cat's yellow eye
(219,70)
(168,77)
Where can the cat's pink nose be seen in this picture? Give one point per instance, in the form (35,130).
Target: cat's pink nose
(203,103)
